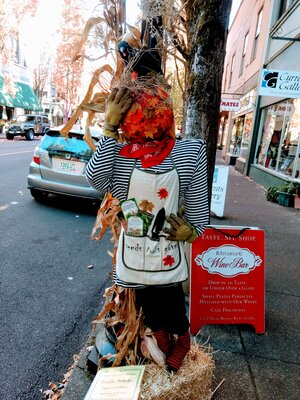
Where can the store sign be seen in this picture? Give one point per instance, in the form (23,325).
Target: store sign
(219,188)
(227,278)
(230,105)
(280,83)
(281,109)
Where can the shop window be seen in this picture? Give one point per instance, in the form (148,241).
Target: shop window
(240,135)
(257,33)
(279,147)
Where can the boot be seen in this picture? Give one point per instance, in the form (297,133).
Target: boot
(181,348)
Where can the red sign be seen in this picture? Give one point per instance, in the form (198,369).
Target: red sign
(227,278)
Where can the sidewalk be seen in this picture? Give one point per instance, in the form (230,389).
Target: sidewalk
(253,367)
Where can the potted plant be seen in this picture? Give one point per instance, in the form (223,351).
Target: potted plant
(285,195)
(286,192)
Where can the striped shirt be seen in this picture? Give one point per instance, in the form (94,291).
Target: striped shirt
(108,171)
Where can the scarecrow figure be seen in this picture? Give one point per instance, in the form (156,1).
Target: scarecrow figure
(139,162)
(151,174)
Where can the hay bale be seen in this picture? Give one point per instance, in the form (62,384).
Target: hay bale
(192,381)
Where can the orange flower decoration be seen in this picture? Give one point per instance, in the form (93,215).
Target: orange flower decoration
(150,117)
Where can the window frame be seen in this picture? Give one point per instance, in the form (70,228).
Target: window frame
(257,33)
(231,70)
(242,65)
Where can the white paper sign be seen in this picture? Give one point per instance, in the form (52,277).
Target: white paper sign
(219,188)
(230,105)
(280,83)
(119,383)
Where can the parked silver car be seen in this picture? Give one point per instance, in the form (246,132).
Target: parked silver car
(58,165)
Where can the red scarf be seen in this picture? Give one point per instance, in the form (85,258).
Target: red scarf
(150,153)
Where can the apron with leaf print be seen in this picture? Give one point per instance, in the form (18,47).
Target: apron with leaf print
(149,258)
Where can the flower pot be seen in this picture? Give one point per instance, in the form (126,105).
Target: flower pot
(296,201)
(285,199)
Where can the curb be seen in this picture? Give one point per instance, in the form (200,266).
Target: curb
(81,379)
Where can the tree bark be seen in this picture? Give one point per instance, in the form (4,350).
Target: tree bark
(207,23)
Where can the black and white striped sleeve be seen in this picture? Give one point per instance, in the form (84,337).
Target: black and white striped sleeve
(196,194)
(100,168)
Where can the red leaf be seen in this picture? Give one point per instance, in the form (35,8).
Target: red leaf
(168,260)
(163,193)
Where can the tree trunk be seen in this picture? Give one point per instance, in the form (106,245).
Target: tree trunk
(207,22)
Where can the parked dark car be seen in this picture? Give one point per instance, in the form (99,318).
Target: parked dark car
(28,126)
(58,165)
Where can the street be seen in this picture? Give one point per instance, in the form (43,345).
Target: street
(49,291)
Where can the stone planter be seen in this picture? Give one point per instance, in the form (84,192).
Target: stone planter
(285,199)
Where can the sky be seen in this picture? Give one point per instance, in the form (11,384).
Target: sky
(40,31)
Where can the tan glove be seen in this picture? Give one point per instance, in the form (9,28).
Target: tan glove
(181,230)
(117,105)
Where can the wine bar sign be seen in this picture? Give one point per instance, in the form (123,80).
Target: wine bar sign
(227,278)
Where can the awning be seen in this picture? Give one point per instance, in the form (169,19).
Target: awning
(25,97)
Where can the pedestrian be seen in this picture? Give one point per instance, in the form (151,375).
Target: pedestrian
(152,175)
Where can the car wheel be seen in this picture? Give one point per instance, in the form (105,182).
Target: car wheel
(9,136)
(29,134)
(39,195)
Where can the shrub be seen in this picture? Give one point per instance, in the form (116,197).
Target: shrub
(271,193)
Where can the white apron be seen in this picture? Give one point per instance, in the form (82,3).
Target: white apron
(151,259)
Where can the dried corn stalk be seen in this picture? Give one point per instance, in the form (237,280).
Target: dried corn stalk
(120,308)
(107,218)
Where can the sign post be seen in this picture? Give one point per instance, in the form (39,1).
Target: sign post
(227,278)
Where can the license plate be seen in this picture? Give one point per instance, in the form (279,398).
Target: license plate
(72,167)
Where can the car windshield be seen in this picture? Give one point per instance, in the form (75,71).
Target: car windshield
(58,145)
(25,118)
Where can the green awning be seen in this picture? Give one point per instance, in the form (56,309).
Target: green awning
(24,98)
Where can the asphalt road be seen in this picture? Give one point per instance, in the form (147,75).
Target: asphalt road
(48,295)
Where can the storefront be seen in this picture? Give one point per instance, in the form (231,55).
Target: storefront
(279,140)
(240,132)
(23,98)
(275,151)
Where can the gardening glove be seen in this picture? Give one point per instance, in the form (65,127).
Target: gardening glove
(180,230)
(117,105)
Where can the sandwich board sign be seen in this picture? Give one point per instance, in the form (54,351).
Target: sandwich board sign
(219,188)
(227,278)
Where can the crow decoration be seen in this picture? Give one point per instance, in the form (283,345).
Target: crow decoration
(148,59)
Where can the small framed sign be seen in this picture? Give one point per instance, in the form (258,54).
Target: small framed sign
(118,383)
(227,278)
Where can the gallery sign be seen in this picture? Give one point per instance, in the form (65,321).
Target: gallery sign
(280,83)
(227,278)
(230,105)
